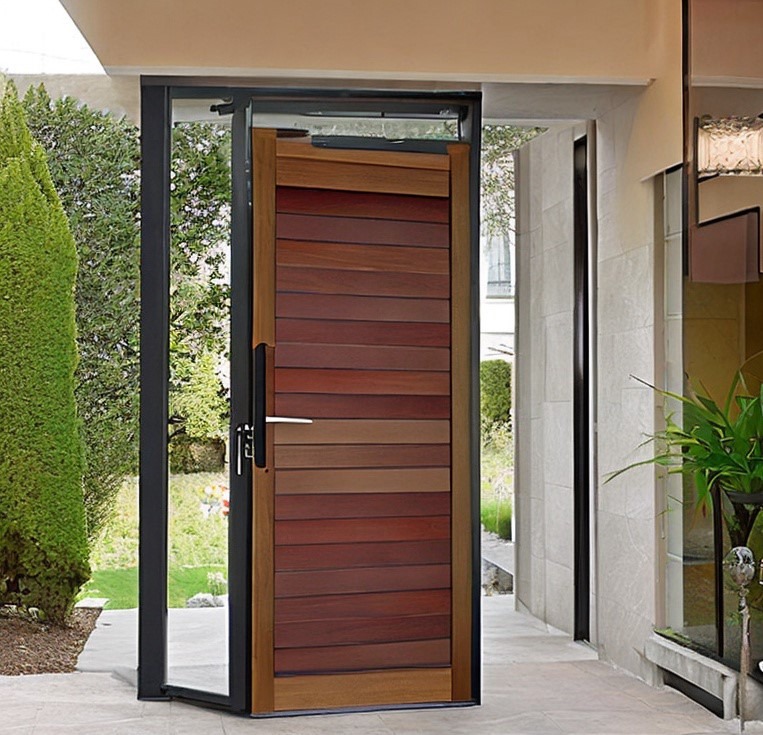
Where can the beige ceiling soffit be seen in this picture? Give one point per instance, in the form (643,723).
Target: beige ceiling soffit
(474,77)
(733,82)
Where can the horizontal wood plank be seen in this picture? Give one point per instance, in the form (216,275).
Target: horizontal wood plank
(349,556)
(316,406)
(372,579)
(303,456)
(361,530)
(359,257)
(362,382)
(366,689)
(361,505)
(413,479)
(303,149)
(363,283)
(363,431)
(361,308)
(360,658)
(361,177)
(344,332)
(378,604)
(362,630)
(360,204)
(366,231)
(379,357)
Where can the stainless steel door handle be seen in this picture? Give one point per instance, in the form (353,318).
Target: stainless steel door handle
(286,420)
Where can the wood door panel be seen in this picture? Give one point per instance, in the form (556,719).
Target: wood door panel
(348,556)
(363,431)
(414,479)
(360,204)
(312,405)
(361,308)
(362,357)
(379,604)
(362,382)
(361,530)
(359,658)
(306,456)
(362,630)
(364,283)
(358,257)
(362,333)
(358,230)
(350,581)
(361,505)
(314,174)
(287,148)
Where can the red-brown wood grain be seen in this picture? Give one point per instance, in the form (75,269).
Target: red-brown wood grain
(358,658)
(359,230)
(361,630)
(313,405)
(313,331)
(358,257)
(361,308)
(379,357)
(360,204)
(362,530)
(363,382)
(373,579)
(304,456)
(348,556)
(379,604)
(365,283)
(387,480)
(361,505)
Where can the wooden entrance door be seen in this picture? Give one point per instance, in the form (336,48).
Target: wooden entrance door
(362,590)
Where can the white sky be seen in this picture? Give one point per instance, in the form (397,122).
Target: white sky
(38,37)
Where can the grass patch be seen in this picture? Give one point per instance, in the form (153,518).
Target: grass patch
(121,585)
(495,515)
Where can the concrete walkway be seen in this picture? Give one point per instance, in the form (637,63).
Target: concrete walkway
(535,681)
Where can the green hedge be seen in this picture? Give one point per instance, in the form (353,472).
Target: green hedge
(43,544)
(495,392)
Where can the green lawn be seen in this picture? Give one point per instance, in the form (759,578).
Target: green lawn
(198,544)
(121,585)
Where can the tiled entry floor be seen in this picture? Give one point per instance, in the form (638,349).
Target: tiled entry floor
(535,681)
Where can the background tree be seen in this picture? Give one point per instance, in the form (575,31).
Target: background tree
(43,542)
(94,161)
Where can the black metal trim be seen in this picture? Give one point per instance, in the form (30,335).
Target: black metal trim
(354,142)
(350,710)
(260,404)
(210,699)
(581,397)
(240,517)
(154,374)
(470,131)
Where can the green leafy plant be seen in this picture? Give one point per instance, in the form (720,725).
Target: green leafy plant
(495,515)
(43,541)
(720,447)
(495,393)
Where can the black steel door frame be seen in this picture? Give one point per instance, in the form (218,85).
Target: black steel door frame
(157,95)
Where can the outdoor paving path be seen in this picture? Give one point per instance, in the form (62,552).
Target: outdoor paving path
(536,680)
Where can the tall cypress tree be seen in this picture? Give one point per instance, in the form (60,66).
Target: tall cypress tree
(43,543)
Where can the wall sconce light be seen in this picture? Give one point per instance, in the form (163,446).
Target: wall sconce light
(730,146)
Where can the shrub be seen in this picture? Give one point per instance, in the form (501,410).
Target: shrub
(43,542)
(94,161)
(495,392)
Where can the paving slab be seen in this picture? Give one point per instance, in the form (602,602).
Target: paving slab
(536,680)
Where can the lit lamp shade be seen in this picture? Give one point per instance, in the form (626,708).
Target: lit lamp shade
(726,249)
(730,146)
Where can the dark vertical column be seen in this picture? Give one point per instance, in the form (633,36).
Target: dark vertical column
(154,370)
(471,133)
(240,518)
(581,397)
